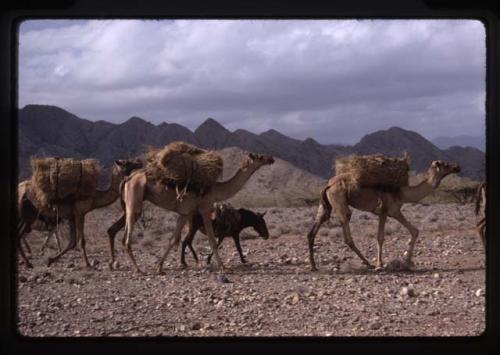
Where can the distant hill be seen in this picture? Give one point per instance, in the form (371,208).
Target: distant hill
(463,141)
(279,184)
(52,131)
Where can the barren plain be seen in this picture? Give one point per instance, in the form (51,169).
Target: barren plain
(275,293)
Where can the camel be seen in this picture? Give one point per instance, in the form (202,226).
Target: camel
(72,210)
(338,197)
(481,212)
(39,221)
(139,188)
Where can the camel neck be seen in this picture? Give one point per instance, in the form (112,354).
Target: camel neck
(227,189)
(417,192)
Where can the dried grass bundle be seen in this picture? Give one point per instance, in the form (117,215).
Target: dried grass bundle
(180,163)
(374,170)
(59,178)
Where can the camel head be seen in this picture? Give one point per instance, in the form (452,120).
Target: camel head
(257,160)
(439,170)
(124,167)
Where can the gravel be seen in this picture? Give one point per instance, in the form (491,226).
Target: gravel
(274,294)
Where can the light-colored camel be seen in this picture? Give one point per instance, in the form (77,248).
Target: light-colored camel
(74,210)
(480,211)
(138,188)
(338,196)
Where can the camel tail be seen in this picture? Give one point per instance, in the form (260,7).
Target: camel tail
(479,198)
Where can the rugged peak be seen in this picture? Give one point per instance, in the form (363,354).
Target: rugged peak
(310,141)
(211,125)
(46,111)
(135,120)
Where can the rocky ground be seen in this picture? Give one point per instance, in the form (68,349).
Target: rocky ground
(275,293)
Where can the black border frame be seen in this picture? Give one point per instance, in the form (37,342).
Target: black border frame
(10,19)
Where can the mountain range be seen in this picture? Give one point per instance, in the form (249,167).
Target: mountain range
(444,142)
(52,131)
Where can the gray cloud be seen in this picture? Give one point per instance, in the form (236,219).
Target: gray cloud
(333,80)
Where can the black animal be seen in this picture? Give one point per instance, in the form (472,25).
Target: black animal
(228,222)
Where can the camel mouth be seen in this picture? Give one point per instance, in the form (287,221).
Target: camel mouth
(456,169)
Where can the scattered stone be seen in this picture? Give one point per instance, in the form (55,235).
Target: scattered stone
(408,291)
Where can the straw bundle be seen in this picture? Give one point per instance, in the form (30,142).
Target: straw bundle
(374,170)
(59,178)
(185,165)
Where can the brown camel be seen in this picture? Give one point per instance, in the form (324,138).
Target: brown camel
(41,222)
(138,188)
(337,196)
(481,212)
(72,210)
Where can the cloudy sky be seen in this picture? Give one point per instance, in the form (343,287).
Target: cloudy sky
(332,80)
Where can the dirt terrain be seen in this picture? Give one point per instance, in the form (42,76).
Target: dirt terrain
(275,293)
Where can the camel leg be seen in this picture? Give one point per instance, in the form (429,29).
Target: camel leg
(58,242)
(321,217)
(414,235)
(131,218)
(80,223)
(481,228)
(46,242)
(350,242)
(187,243)
(26,244)
(209,258)
(71,242)
(207,222)
(112,231)
(344,214)
(174,241)
(20,234)
(380,240)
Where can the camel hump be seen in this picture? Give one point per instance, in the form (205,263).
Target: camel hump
(185,165)
(375,170)
(62,178)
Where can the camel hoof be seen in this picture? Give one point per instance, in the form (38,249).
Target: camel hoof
(48,261)
(243,261)
(379,268)
(160,272)
(183,266)
(370,266)
(314,268)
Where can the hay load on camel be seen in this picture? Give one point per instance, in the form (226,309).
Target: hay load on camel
(56,179)
(374,170)
(184,166)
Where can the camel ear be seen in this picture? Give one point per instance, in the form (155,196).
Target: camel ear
(263,214)
(252,156)
(120,162)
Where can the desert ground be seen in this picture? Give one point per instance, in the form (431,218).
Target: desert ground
(275,293)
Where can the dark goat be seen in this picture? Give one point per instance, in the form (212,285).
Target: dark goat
(228,222)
